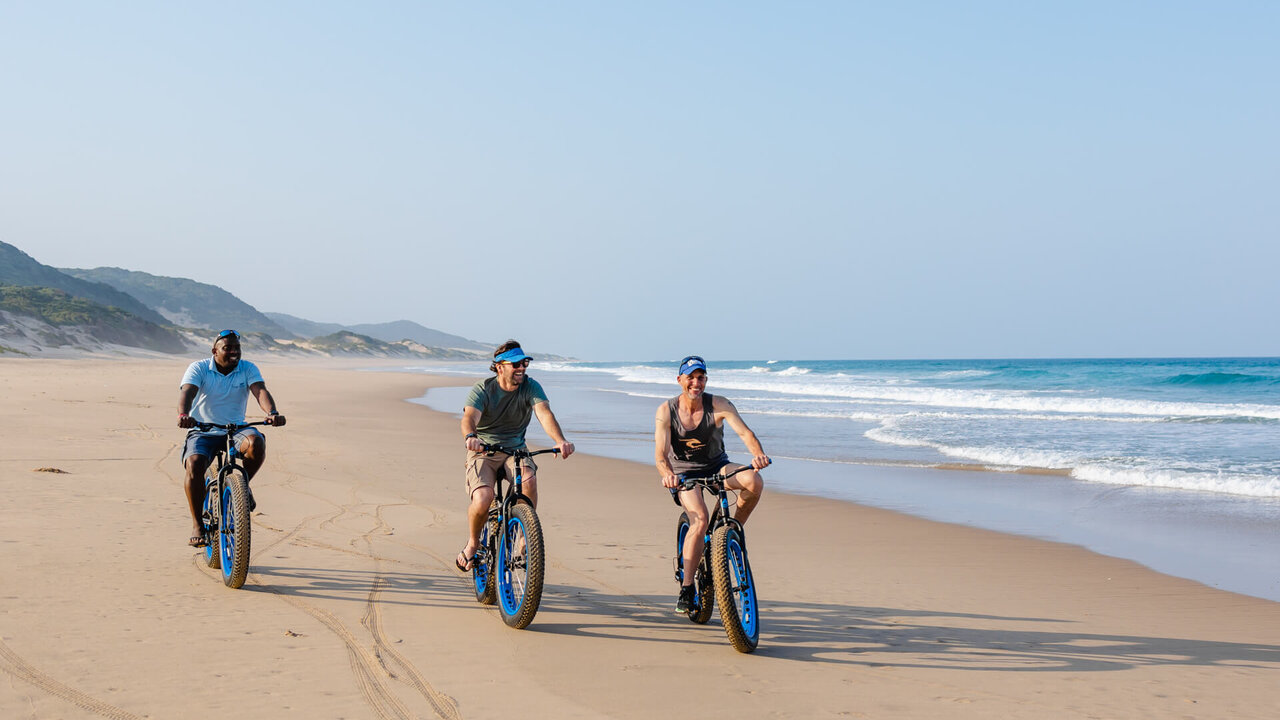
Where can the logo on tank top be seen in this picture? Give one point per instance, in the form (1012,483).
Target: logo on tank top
(693,444)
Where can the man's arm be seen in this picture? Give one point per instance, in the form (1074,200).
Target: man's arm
(186,396)
(662,446)
(470,419)
(552,428)
(267,403)
(725,410)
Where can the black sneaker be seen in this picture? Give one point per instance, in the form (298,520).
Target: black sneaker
(253,504)
(685,603)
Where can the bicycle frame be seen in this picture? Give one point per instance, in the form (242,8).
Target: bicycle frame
(503,575)
(722,570)
(505,501)
(720,516)
(221,552)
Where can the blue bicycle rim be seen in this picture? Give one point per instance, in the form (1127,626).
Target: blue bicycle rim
(211,544)
(745,595)
(480,576)
(507,595)
(226,533)
(680,536)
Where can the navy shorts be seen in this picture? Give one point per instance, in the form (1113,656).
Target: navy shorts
(208,444)
(703,472)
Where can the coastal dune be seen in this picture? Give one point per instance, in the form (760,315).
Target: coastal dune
(353,608)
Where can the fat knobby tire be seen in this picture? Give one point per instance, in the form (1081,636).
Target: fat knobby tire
(212,551)
(535,558)
(723,576)
(237,511)
(706,598)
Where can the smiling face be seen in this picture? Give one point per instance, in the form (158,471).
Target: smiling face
(694,384)
(226,353)
(512,374)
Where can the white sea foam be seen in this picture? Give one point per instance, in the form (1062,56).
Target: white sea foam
(1010,400)
(801,382)
(1252,485)
(951,374)
(1136,472)
(793,371)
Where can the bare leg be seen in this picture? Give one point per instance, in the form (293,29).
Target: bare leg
(477,514)
(196,466)
(696,508)
(750,486)
(254,452)
(529,486)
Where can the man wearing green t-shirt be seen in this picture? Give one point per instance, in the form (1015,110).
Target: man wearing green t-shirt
(497,413)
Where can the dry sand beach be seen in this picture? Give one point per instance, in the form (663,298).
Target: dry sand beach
(353,608)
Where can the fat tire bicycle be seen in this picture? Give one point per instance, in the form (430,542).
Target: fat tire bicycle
(500,575)
(723,575)
(225,518)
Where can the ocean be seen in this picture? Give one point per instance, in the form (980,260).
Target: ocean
(1174,463)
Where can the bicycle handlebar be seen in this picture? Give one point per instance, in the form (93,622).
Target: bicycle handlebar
(711,482)
(491,449)
(229,427)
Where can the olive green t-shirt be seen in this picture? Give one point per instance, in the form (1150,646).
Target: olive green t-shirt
(504,416)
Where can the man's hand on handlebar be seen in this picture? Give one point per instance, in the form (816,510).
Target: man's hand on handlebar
(276,420)
(186,421)
(760,462)
(670,480)
(565,448)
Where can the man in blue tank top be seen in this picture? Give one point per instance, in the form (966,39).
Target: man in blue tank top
(497,413)
(689,441)
(216,390)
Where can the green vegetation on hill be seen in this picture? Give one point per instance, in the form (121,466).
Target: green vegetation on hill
(104,324)
(19,268)
(55,306)
(185,302)
(353,343)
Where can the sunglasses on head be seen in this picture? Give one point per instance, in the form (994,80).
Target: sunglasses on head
(229,333)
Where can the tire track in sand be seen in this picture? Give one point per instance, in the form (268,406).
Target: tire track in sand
(443,705)
(365,668)
(13,664)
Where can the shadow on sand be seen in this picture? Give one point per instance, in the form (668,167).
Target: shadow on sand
(804,632)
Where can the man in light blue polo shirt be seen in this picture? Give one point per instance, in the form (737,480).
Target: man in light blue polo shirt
(216,390)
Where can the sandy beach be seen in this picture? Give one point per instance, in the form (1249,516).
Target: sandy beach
(353,608)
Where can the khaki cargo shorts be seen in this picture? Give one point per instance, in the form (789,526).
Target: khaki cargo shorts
(482,469)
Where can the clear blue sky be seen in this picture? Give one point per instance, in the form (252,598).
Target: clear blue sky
(645,180)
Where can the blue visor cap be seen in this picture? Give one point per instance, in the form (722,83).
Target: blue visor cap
(514,355)
(691,363)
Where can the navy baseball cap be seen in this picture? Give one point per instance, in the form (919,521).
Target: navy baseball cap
(691,363)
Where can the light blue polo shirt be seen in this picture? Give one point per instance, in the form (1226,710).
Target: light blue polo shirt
(221,399)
